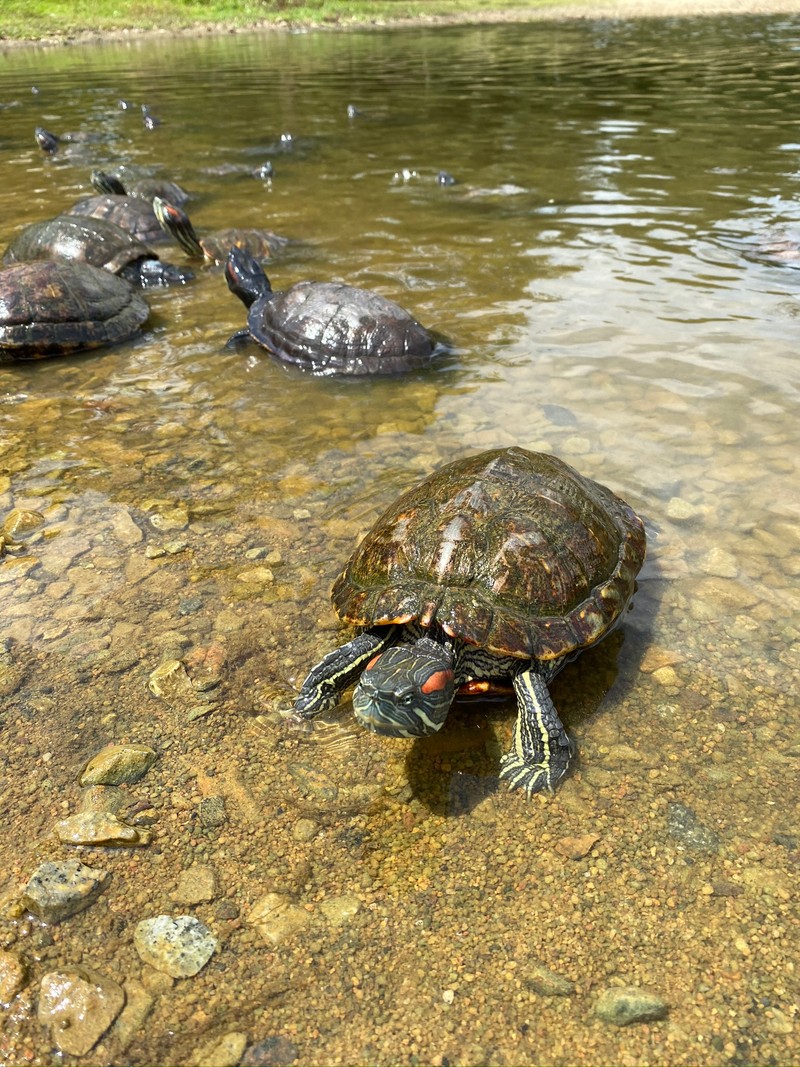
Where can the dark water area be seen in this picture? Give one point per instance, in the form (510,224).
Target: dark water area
(616,269)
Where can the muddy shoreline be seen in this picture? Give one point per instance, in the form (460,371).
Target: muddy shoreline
(612,9)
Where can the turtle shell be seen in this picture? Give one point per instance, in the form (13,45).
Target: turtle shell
(329,328)
(86,240)
(128,212)
(510,550)
(259,243)
(52,308)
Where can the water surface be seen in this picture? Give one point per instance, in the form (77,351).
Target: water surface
(596,267)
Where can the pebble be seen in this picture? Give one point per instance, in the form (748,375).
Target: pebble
(313,783)
(277,918)
(340,910)
(622,1005)
(78,1005)
(57,890)
(575,848)
(655,658)
(546,982)
(196,885)
(212,811)
(138,1005)
(225,1051)
(118,764)
(13,976)
(681,510)
(305,830)
(666,676)
(180,946)
(270,1052)
(100,828)
(719,563)
(683,824)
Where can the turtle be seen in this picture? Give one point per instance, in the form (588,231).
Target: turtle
(325,327)
(131,213)
(213,248)
(98,242)
(141,188)
(505,564)
(50,308)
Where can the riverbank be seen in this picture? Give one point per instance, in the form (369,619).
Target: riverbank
(59,23)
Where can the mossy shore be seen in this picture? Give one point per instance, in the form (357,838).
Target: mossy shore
(54,22)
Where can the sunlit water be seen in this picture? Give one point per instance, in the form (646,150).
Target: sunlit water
(596,268)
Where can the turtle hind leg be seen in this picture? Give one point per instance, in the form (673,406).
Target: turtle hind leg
(542,750)
(325,683)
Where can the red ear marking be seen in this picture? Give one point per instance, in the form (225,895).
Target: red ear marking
(438,680)
(372,662)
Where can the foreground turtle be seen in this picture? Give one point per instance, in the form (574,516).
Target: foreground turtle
(327,328)
(128,212)
(98,242)
(214,247)
(141,188)
(53,308)
(505,564)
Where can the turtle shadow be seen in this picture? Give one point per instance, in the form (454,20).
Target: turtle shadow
(452,772)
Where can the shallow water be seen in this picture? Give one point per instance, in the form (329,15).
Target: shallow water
(596,268)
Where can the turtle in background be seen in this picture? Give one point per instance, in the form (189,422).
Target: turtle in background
(213,248)
(130,213)
(325,327)
(506,564)
(141,188)
(99,243)
(53,308)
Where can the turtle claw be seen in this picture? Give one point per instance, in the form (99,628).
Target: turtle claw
(533,777)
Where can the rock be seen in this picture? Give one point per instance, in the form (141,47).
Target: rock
(270,1052)
(108,798)
(719,563)
(171,682)
(179,946)
(681,510)
(683,824)
(340,910)
(13,976)
(225,1051)
(313,783)
(20,521)
(78,1005)
(138,1005)
(622,1005)
(277,918)
(546,982)
(778,1022)
(575,848)
(666,676)
(57,890)
(304,830)
(655,658)
(100,828)
(118,764)
(212,811)
(196,885)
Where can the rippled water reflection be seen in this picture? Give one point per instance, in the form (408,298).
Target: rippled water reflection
(597,267)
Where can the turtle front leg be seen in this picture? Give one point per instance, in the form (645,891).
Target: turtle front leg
(325,683)
(542,750)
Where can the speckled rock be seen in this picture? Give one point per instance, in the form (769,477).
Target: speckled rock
(225,1051)
(78,1005)
(196,885)
(277,918)
(118,764)
(57,890)
(684,825)
(180,946)
(622,1005)
(13,975)
(100,828)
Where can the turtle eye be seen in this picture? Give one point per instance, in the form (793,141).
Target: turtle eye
(406,699)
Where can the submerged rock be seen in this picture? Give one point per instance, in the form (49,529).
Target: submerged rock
(180,946)
(622,1005)
(100,828)
(57,890)
(118,764)
(13,976)
(78,1005)
(277,918)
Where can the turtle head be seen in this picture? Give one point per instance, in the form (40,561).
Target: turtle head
(107,183)
(48,142)
(406,691)
(245,276)
(177,225)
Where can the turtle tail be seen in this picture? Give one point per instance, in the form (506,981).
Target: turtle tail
(245,276)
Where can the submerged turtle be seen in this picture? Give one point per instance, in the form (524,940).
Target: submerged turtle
(141,188)
(327,328)
(128,212)
(214,247)
(505,564)
(98,242)
(51,308)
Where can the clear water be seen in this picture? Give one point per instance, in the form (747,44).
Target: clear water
(597,268)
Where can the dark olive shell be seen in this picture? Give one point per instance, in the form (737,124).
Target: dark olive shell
(510,550)
(52,308)
(128,212)
(259,243)
(85,240)
(337,329)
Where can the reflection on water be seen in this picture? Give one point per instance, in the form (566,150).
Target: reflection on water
(176,503)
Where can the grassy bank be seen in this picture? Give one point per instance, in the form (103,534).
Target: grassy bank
(49,19)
